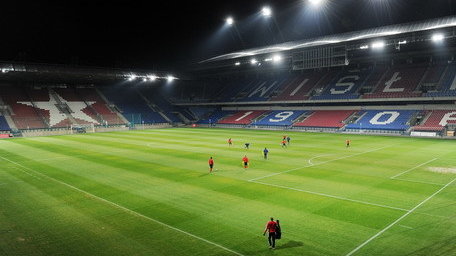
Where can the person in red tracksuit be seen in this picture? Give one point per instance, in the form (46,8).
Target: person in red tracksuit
(271,227)
(211,164)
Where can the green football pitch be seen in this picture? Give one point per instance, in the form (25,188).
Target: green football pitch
(149,193)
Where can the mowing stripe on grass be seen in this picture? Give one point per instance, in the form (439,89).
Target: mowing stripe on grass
(400,218)
(132,212)
(421,182)
(329,161)
(411,169)
(331,196)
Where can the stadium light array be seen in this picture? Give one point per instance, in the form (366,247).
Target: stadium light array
(144,79)
(253,61)
(131,77)
(378,45)
(364,47)
(403,42)
(266,11)
(237,63)
(229,21)
(170,78)
(437,38)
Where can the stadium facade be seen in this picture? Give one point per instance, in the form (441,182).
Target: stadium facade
(395,80)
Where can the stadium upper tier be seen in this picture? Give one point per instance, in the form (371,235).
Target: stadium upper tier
(350,83)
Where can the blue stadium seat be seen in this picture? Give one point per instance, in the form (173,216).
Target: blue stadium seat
(3,124)
(215,117)
(280,118)
(384,120)
(344,86)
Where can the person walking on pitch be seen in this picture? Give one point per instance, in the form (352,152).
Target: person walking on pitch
(211,164)
(265,153)
(230,142)
(271,229)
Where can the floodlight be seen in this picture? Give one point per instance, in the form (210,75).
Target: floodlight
(266,11)
(253,61)
(131,77)
(170,78)
(230,21)
(364,47)
(153,77)
(237,63)
(438,37)
(403,42)
(378,45)
(316,3)
(144,79)
(276,58)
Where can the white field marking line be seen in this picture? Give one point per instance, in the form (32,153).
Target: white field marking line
(325,162)
(313,158)
(21,170)
(407,227)
(399,219)
(132,212)
(422,182)
(411,169)
(331,196)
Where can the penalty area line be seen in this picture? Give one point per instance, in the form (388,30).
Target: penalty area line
(331,196)
(413,168)
(132,212)
(399,219)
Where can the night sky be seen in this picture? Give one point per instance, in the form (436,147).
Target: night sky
(167,35)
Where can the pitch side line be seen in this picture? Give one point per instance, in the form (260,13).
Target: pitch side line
(307,166)
(122,207)
(331,196)
(411,169)
(400,218)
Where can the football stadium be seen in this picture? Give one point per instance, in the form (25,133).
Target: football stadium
(336,143)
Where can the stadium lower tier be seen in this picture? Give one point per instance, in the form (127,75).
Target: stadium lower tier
(387,120)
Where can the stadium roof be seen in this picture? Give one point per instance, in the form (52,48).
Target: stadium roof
(439,23)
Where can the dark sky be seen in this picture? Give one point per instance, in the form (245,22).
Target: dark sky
(166,34)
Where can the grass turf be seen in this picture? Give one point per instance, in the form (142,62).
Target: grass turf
(149,193)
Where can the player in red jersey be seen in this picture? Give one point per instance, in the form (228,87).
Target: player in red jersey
(284,143)
(211,164)
(271,228)
(230,142)
(347,142)
(245,161)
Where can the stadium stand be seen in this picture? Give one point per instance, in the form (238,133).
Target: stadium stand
(396,120)
(261,90)
(399,82)
(4,124)
(280,118)
(242,117)
(437,120)
(447,86)
(297,88)
(24,116)
(160,104)
(326,119)
(215,117)
(344,86)
(100,107)
(133,106)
